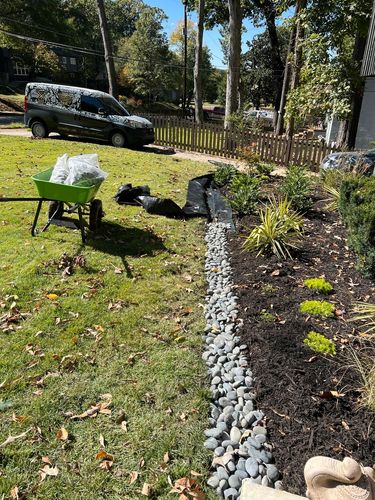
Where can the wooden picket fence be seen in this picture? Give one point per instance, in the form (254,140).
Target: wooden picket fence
(214,140)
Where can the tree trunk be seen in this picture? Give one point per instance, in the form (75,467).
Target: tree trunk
(198,97)
(276,62)
(108,56)
(234,60)
(284,92)
(357,94)
(297,63)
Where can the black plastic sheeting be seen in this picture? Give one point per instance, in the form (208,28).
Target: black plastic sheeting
(203,200)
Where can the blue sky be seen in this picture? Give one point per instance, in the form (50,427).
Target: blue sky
(175,11)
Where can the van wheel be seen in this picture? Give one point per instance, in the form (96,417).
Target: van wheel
(118,140)
(39,130)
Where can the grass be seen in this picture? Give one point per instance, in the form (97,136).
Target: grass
(13,98)
(12,125)
(128,323)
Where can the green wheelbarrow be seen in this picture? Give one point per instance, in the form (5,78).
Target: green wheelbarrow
(65,199)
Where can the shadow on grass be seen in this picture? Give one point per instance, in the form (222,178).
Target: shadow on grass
(123,241)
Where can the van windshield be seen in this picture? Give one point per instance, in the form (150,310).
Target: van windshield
(113,107)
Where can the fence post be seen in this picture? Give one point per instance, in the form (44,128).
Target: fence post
(288,154)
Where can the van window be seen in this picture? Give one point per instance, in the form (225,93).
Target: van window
(90,104)
(113,107)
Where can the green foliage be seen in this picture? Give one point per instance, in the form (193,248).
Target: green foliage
(319,343)
(319,284)
(279,231)
(224,174)
(249,155)
(317,308)
(244,193)
(264,169)
(267,317)
(357,208)
(268,288)
(297,188)
(148,52)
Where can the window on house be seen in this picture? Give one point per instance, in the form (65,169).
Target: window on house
(64,60)
(20,69)
(73,61)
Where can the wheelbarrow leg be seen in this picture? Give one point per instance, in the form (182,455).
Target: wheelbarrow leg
(36,217)
(81,223)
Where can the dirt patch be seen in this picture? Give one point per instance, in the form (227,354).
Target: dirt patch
(293,382)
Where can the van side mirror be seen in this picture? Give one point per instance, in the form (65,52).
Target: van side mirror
(102,112)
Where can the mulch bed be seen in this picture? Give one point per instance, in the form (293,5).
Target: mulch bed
(294,383)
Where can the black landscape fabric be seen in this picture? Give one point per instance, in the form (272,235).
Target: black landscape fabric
(203,200)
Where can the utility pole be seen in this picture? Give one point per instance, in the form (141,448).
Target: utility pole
(198,65)
(185,60)
(108,54)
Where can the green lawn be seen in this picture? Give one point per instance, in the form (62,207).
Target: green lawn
(125,328)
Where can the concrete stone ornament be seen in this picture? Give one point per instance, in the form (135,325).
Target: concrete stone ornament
(329,479)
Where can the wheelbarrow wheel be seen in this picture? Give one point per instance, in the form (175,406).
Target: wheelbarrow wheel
(96,214)
(55,209)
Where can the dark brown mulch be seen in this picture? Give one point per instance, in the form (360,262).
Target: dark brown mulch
(291,378)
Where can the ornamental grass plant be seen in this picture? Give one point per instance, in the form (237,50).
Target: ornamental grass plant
(279,231)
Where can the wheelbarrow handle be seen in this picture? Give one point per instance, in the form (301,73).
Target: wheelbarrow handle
(20,199)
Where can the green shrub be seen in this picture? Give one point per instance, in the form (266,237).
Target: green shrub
(244,193)
(279,231)
(319,343)
(331,185)
(264,169)
(319,284)
(297,188)
(224,174)
(317,308)
(357,208)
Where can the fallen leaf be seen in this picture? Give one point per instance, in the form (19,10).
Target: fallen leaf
(276,273)
(62,434)
(141,463)
(194,473)
(117,270)
(45,459)
(47,470)
(345,425)
(166,457)
(124,426)
(14,492)
(146,490)
(103,455)
(101,440)
(331,394)
(18,418)
(52,296)
(106,464)
(133,477)
(11,439)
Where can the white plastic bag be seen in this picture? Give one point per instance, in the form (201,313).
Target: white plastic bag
(84,170)
(60,171)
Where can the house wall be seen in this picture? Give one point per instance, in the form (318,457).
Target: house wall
(366,125)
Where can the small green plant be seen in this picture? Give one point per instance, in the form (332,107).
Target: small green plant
(319,284)
(268,288)
(267,317)
(365,312)
(317,308)
(224,174)
(279,231)
(319,343)
(244,193)
(297,188)
(264,169)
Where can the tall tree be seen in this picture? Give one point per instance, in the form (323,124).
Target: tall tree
(198,95)
(149,63)
(234,60)
(108,53)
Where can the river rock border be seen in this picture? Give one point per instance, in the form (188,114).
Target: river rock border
(237,436)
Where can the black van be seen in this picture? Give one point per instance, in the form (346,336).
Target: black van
(83,113)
